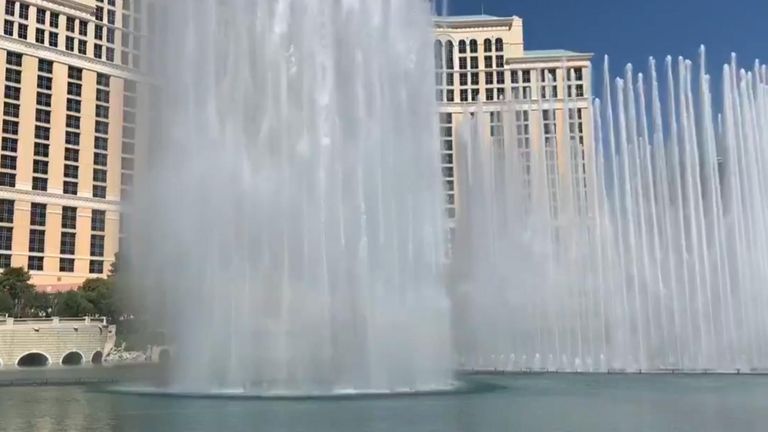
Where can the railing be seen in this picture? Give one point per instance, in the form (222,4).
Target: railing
(13,322)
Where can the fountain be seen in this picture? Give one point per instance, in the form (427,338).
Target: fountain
(643,250)
(293,233)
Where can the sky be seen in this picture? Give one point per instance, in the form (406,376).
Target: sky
(630,31)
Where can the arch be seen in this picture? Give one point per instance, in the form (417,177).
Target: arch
(449,55)
(499,45)
(33,359)
(462,47)
(438,54)
(73,358)
(473,46)
(487,45)
(97,358)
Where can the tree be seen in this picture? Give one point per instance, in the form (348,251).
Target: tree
(14,281)
(73,304)
(99,293)
(6,303)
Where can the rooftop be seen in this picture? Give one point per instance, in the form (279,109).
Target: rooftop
(458,19)
(554,53)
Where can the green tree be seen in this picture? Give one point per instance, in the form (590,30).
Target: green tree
(99,292)
(73,304)
(6,303)
(14,281)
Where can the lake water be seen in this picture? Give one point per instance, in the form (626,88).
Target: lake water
(554,402)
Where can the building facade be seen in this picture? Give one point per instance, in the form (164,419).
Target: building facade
(71,73)
(483,67)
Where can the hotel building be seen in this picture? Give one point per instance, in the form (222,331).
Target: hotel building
(482,64)
(71,70)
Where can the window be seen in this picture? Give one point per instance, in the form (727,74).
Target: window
(82,47)
(66,265)
(102,80)
(24,11)
(73,105)
(73,121)
(53,39)
(74,89)
(83,28)
(102,96)
(10,127)
(111,17)
(10,144)
(100,143)
(40,184)
(487,45)
(96,267)
(69,44)
(99,191)
(99,175)
(13,93)
(22,31)
(5,261)
(40,166)
(102,127)
(37,214)
(70,24)
(129,132)
(70,171)
(71,154)
(110,54)
(44,82)
(8,162)
(72,138)
(42,133)
(97,245)
(40,36)
(129,147)
(35,263)
(41,149)
(97,51)
(8,28)
(41,16)
(473,46)
(11,110)
(67,243)
(127,163)
(44,99)
(37,241)
(70,188)
(13,59)
(99,32)
(10,7)
(43,116)
(6,238)
(129,117)
(6,211)
(68,218)
(54,21)
(102,111)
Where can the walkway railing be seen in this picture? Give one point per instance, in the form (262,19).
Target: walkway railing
(5,321)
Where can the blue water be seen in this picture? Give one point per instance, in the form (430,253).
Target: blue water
(594,403)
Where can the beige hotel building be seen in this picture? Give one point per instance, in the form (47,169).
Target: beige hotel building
(71,73)
(482,62)
(73,69)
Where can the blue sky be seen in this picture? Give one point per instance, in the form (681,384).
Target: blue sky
(633,30)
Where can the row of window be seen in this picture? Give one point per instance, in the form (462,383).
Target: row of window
(37,236)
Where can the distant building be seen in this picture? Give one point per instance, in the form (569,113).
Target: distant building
(482,59)
(71,71)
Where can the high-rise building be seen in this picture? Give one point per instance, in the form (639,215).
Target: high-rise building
(71,73)
(482,65)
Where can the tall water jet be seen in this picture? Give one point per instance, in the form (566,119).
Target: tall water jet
(293,236)
(665,267)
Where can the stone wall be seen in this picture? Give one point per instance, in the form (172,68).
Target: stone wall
(54,338)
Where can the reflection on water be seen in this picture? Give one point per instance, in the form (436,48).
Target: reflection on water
(593,403)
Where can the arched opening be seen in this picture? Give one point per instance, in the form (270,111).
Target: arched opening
(439,55)
(499,45)
(473,46)
(487,45)
(72,358)
(462,47)
(97,358)
(449,55)
(164,357)
(33,359)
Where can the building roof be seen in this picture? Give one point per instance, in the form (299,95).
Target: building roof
(462,19)
(558,53)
